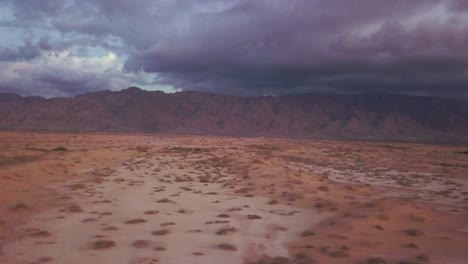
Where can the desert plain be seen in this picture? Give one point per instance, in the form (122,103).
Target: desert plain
(139,198)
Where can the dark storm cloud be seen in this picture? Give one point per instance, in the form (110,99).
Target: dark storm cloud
(308,45)
(27,51)
(263,46)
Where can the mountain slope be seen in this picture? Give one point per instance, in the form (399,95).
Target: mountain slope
(357,117)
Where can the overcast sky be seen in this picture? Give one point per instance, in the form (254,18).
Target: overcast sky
(241,47)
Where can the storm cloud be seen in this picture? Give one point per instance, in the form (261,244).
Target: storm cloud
(236,47)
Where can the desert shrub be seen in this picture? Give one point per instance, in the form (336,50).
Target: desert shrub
(135,221)
(410,245)
(103,244)
(253,217)
(161,232)
(413,232)
(60,148)
(226,231)
(165,200)
(226,246)
(376,260)
(141,244)
(308,233)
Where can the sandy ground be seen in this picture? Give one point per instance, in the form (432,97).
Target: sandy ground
(107,198)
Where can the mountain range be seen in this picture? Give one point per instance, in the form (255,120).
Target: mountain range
(375,117)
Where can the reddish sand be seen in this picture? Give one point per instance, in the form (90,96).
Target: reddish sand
(106,198)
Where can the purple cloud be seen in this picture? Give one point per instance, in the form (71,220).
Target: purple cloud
(269,46)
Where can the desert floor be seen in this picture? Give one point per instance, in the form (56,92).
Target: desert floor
(106,198)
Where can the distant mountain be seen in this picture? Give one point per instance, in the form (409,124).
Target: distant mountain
(320,116)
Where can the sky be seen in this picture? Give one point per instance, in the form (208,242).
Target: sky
(238,47)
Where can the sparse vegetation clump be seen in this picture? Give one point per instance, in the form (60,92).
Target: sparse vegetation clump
(73,208)
(411,245)
(161,232)
(165,200)
(226,231)
(160,248)
(234,209)
(103,244)
(226,246)
(376,260)
(141,243)
(60,148)
(110,228)
(307,233)
(253,217)
(40,233)
(323,188)
(279,260)
(303,258)
(413,232)
(135,221)
(272,202)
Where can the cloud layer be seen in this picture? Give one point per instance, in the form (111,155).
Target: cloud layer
(238,47)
